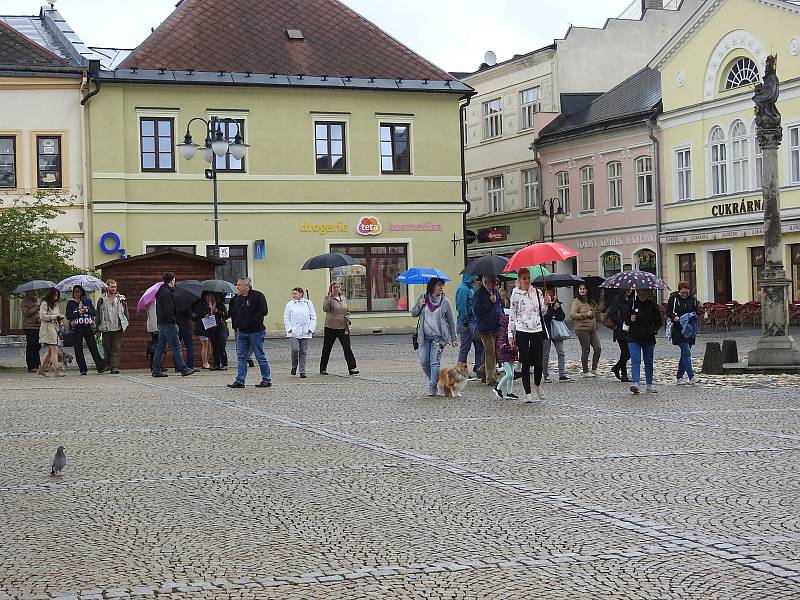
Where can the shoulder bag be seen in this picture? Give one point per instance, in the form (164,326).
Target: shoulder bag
(415,335)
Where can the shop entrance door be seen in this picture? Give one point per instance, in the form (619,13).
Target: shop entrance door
(721,269)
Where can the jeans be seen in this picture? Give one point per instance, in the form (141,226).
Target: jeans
(507,379)
(79,335)
(168,335)
(112,341)
(299,347)
(530,353)
(467,337)
(251,342)
(685,362)
(637,351)
(331,335)
(188,341)
(559,346)
(489,341)
(589,340)
(430,357)
(32,348)
(476,341)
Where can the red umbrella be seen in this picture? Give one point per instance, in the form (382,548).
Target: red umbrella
(539,254)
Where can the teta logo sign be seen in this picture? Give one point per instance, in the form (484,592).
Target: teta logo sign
(369,226)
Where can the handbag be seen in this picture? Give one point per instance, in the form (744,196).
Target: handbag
(608,321)
(559,331)
(668,329)
(209,322)
(415,335)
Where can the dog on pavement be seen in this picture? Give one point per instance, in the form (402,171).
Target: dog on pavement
(452,380)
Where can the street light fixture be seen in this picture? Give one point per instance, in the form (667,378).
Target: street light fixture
(550,212)
(215,145)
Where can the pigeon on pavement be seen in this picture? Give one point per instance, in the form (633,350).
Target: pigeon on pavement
(58,462)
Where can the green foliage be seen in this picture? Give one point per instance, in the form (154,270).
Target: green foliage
(29,246)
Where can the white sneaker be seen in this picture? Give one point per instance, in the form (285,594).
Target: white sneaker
(682,381)
(497,393)
(587,374)
(651,389)
(594,373)
(539,392)
(528,398)
(693,380)
(547,379)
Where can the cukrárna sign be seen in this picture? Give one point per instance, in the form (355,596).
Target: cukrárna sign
(737,208)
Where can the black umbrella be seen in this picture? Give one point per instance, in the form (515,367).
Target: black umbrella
(329,261)
(187,293)
(594,280)
(491,264)
(31,286)
(555,280)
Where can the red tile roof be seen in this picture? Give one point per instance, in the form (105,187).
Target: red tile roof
(19,51)
(251,36)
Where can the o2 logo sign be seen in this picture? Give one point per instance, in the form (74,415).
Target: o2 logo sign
(369,226)
(111,244)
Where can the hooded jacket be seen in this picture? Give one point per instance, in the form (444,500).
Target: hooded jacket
(464,295)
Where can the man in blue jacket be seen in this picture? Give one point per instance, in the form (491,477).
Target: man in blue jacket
(467,323)
(487,308)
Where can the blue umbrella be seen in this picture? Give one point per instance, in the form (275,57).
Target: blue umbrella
(421,275)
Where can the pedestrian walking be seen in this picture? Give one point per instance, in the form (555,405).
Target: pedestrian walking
(585,326)
(300,322)
(210,319)
(337,327)
(526,331)
(81,314)
(168,332)
(507,355)
(615,316)
(554,313)
(682,314)
(437,329)
(31,324)
(643,320)
(112,321)
(247,311)
(50,320)
(466,324)
(488,310)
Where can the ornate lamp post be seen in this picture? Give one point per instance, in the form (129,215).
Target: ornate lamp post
(550,212)
(216,145)
(775,347)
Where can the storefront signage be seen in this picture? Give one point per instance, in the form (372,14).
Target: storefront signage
(617,240)
(494,234)
(736,208)
(111,244)
(259,250)
(369,226)
(322,228)
(470,236)
(427,226)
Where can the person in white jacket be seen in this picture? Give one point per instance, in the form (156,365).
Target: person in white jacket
(525,330)
(300,321)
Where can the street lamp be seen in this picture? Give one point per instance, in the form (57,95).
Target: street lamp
(550,212)
(215,145)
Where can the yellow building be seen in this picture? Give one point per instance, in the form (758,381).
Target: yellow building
(712,219)
(353,147)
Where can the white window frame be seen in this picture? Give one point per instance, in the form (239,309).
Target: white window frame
(736,80)
(683,173)
(530,187)
(614,171)
(644,180)
(740,156)
(794,153)
(528,108)
(718,160)
(493,118)
(587,189)
(562,189)
(495,193)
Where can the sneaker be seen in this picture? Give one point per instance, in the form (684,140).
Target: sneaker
(682,381)
(354,372)
(236,385)
(188,372)
(539,392)
(497,393)
(564,378)
(264,384)
(587,374)
(547,379)
(473,376)
(692,380)
(159,374)
(512,396)
(250,362)
(650,389)
(302,375)
(323,372)
(594,373)
(294,371)
(115,371)
(634,389)
(528,398)
(431,393)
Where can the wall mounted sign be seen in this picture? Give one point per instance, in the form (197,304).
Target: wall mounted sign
(322,228)
(427,226)
(737,208)
(111,244)
(259,250)
(224,252)
(369,226)
(497,233)
(470,236)
(617,240)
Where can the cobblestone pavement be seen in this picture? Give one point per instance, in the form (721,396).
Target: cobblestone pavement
(358,487)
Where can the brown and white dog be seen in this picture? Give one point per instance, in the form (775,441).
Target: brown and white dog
(452,380)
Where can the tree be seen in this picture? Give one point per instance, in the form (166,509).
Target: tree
(29,246)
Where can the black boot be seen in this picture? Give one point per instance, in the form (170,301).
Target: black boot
(625,374)
(615,371)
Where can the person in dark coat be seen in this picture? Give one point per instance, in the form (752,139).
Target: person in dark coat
(681,303)
(554,312)
(642,317)
(615,312)
(487,308)
(168,332)
(81,314)
(211,305)
(247,311)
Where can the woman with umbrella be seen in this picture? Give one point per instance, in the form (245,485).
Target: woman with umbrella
(526,330)
(30,324)
(643,320)
(438,328)
(50,318)
(211,315)
(585,325)
(81,313)
(337,327)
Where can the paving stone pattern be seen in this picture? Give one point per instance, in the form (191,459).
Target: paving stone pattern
(361,487)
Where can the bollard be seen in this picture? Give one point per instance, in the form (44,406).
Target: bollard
(730,353)
(712,359)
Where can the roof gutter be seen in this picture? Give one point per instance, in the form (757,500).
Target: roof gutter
(93,71)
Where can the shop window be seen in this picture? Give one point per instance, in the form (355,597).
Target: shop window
(612,264)
(370,285)
(719,162)
(395,148)
(492,119)
(229,163)
(8,162)
(644,180)
(615,184)
(235,266)
(794,250)
(587,189)
(157,143)
(683,170)
(48,161)
(562,189)
(157,247)
(330,147)
(757,262)
(646,261)
(687,270)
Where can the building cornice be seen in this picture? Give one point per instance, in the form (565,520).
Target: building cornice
(532,59)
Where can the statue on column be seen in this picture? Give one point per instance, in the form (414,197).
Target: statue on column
(766,97)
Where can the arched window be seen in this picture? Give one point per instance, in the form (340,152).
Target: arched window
(612,264)
(740,156)
(742,71)
(646,260)
(719,162)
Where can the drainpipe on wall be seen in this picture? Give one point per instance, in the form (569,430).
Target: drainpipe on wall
(88,76)
(464,190)
(651,126)
(533,148)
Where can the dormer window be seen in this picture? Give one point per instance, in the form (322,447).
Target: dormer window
(743,71)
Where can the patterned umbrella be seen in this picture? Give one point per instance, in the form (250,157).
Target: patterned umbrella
(635,280)
(87,282)
(539,254)
(421,275)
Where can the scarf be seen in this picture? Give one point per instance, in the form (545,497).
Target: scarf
(432,304)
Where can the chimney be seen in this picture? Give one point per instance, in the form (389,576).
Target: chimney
(651,4)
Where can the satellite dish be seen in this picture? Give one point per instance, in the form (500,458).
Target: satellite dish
(490,58)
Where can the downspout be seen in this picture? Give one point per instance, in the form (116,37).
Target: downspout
(651,126)
(535,149)
(464,191)
(84,176)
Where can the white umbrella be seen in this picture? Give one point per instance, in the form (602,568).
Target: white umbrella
(87,282)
